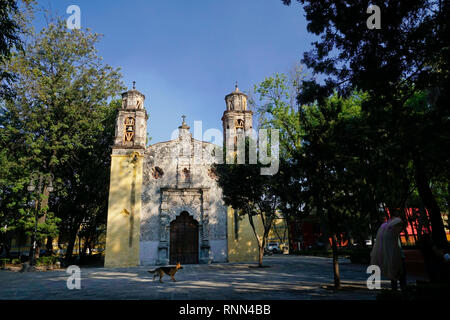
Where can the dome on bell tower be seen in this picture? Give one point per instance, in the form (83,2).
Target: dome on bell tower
(236,100)
(133,99)
(237,119)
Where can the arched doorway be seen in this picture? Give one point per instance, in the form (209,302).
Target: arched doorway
(184,240)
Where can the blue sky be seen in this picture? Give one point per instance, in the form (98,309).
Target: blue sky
(185,56)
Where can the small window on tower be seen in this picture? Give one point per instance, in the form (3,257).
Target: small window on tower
(186,175)
(129,129)
(239,125)
(231,104)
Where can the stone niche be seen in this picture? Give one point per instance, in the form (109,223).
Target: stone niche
(195,201)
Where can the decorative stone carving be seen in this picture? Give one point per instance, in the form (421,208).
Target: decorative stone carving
(165,197)
(125,212)
(157,172)
(212,173)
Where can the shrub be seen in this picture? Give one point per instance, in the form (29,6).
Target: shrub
(3,262)
(46,261)
(15,261)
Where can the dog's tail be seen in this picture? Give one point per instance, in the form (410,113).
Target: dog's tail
(152,271)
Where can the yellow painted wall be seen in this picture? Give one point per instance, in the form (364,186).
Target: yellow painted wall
(124,209)
(244,248)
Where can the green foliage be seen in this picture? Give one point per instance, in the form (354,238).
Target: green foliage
(327,167)
(251,194)
(4,261)
(274,102)
(46,261)
(11,26)
(404,70)
(59,123)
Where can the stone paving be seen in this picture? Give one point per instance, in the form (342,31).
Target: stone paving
(286,278)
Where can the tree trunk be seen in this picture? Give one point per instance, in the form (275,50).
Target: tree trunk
(30,253)
(49,245)
(437,226)
(34,253)
(337,278)
(70,247)
(261,254)
(259,240)
(288,236)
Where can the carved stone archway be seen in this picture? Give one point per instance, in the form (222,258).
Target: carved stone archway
(184,244)
(194,201)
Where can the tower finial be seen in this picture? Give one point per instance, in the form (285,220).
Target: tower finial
(236,86)
(184,125)
(134,85)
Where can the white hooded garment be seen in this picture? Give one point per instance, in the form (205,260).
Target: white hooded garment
(387,253)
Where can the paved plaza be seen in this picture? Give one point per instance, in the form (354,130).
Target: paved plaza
(286,278)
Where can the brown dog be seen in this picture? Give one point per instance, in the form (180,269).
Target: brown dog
(169,270)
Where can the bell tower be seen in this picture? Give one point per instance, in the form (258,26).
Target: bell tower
(124,204)
(237,120)
(131,122)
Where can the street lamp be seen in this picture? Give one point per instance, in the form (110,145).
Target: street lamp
(31,188)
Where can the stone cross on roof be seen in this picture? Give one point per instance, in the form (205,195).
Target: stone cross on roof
(184,125)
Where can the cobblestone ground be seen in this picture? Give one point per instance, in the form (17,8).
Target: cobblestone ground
(287,278)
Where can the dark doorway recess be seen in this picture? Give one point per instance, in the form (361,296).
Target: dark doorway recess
(184,240)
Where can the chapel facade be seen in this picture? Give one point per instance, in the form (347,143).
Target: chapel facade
(165,205)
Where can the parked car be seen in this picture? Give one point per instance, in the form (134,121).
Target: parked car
(274,247)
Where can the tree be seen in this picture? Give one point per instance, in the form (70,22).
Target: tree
(11,28)
(409,55)
(312,179)
(59,122)
(83,198)
(251,194)
(274,100)
(329,163)
(326,184)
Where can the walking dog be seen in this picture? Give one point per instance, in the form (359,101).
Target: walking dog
(169,270)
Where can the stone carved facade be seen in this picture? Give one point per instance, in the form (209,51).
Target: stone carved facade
(164,198)
(152,186)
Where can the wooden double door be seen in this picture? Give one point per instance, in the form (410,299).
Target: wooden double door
(184,240)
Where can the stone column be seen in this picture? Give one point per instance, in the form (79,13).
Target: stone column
(205,249)
(163,247)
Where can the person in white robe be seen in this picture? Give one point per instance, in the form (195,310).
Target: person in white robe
(387,252)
